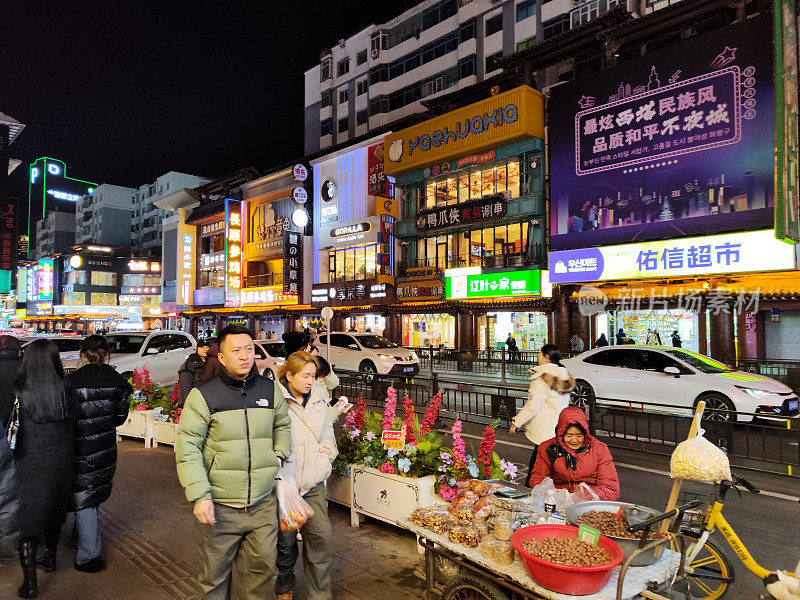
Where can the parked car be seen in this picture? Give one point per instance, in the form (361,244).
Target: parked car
(161,351)
(368,353)
(269,358)
(69,347)
(675,376)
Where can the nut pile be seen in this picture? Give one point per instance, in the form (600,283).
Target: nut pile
(437,520)
(574,553)
(607,523)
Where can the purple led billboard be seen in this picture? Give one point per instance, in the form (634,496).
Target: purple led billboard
(678,142)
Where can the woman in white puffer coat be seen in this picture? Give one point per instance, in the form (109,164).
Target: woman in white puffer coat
(548,395)
(313,450)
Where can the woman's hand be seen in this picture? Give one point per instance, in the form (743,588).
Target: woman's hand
(513,429)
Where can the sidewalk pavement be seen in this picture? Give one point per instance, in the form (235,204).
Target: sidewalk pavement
(147,531)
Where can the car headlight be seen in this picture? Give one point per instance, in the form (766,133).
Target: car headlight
(385,357)
(755,393)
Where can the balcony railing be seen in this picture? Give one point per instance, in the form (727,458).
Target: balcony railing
(265,280)
(510,260)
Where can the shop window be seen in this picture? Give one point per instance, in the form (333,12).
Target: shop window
(494,24)
(353,264)
(105,278)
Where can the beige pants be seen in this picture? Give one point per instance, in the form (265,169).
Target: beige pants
(244,538)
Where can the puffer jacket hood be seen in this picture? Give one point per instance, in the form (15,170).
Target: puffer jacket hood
(556,376)
(548,395)
(102,401)
(572,415)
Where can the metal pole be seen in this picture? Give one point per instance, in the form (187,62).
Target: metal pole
(503,380)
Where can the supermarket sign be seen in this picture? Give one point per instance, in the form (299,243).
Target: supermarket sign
(716,254)
(472,283)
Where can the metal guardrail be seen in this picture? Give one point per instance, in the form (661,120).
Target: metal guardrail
(785,371)
(769,443)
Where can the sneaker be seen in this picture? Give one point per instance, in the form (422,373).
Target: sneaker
(93,566)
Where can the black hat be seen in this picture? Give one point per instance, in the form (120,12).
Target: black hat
(294,341)
(207,342)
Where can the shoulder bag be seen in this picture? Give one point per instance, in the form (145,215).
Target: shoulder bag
(12,429)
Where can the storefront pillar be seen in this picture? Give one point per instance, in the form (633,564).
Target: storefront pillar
(722,335)
(561,317)
(580,325)
(702,332)
(394,328)
(290,323)
(252,325)
(761,339)
(465,327)
(741,337)
(219,324)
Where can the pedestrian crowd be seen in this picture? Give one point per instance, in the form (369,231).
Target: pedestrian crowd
(239,434)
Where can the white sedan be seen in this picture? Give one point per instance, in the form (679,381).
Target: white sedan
(676,377)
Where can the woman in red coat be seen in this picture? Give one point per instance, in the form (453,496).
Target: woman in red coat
(574,456)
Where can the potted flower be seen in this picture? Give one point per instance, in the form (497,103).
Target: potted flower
(149,398)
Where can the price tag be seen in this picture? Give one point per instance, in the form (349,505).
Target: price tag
(588,535)
(556,519)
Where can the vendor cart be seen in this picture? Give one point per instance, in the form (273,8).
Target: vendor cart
(471,576)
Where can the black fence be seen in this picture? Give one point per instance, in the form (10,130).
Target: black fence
(753,441)
(502,363)
(785,371)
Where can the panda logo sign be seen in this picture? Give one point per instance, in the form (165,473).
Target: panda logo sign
(396,150)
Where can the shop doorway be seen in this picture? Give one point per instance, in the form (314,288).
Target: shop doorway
(528,328)
(635,324)
(365,324)
(429,331)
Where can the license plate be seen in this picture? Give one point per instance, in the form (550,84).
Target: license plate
(408,370)
(793,404)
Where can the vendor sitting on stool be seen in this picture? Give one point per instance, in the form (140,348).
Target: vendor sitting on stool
(575,456)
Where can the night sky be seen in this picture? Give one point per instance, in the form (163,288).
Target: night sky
(125,91)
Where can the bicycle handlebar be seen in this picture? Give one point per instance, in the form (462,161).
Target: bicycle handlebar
(747,485)
(667,515)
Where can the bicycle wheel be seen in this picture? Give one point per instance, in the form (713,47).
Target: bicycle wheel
(713,572)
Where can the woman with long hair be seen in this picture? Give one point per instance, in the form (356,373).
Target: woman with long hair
(313,450)
(548,395)
(102,406)
(44,454)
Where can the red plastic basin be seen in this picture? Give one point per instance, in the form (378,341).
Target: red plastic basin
(576,581)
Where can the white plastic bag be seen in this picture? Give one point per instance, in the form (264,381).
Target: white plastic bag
(293,511)
(697,459)
(583,493)
(539,492)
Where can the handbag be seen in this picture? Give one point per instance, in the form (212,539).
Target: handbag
(12,429)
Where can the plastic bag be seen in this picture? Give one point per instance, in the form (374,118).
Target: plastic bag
(482,488)
(483,507)
(464,498)
(539,492)
(292,509)
(697,459)
(584,493)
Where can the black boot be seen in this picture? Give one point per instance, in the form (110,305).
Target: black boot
(47,562)
(27,559)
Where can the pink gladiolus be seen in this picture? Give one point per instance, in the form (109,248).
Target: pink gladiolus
(391,407)
(459,447)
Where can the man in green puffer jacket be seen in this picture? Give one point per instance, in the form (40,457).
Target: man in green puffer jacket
(234,434)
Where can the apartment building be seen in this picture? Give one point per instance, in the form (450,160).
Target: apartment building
(54,233)
(382,73)
(104,216)
(145,229)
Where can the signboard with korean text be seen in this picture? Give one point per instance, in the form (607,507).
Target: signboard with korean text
(484,125)
(488,208)
(233,252)
(377,184)
(677,142)
(352,293)
(494,285)
(293,263)
(727,253)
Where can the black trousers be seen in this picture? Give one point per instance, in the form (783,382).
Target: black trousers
(531,463)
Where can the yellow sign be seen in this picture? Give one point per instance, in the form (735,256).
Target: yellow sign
(394,439)
(496,121)
(387,206)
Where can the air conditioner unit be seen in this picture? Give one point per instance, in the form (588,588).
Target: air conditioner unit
(376,52)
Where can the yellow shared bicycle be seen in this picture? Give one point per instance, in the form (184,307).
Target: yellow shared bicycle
(708,570)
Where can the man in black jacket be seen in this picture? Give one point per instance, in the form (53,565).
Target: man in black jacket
(191,373)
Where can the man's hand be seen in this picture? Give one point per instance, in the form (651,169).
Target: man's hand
(513,429)
(204,511)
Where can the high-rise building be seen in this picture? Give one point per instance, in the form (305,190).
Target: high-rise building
(382,73)
(10,128)
(104,217)
(146,233)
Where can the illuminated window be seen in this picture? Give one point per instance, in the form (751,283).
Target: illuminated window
(103,278)
(103,299)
